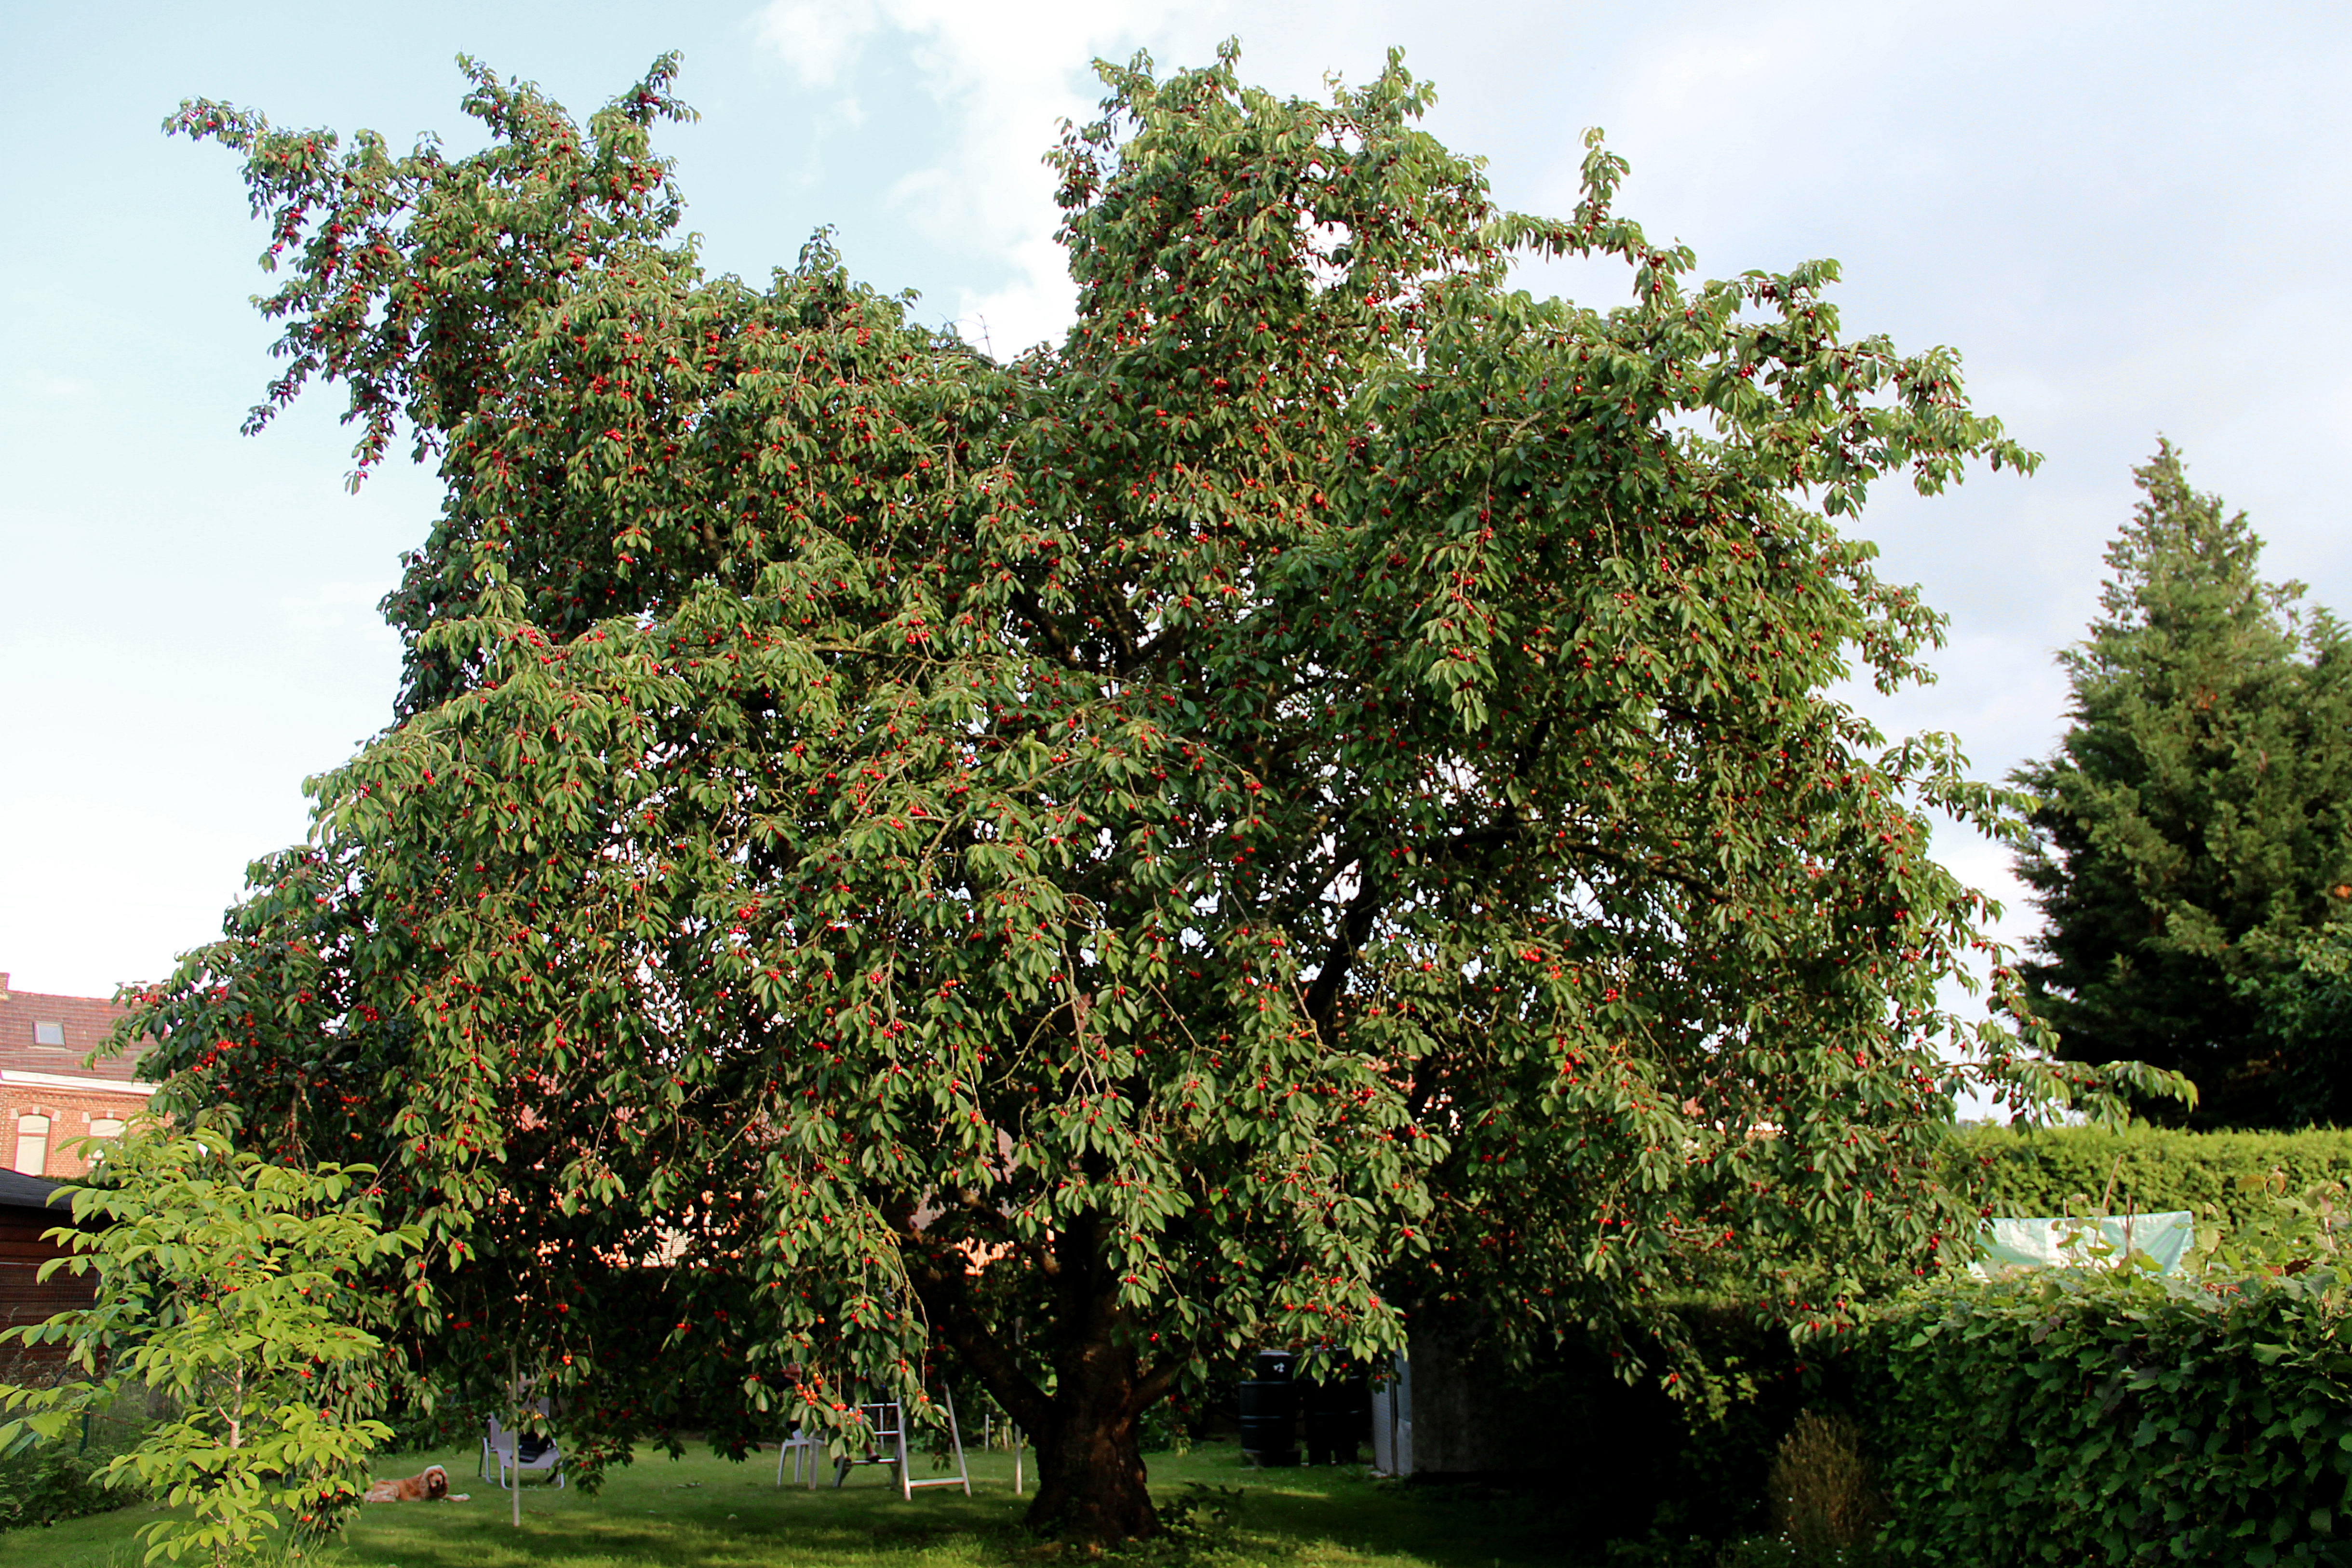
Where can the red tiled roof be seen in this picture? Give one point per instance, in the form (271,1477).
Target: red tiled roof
(85,1022)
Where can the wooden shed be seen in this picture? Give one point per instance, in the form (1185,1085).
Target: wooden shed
(29,1208)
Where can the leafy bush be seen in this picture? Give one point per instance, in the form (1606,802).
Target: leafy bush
(50,1483)
(1200,1529)
(46,1485)
(2114,1417)
(2227,1176)
(1824,1504)
(1987,1399)
(226,1285)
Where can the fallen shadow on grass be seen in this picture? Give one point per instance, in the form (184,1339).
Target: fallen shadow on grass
(704,1512)
(1279,1513)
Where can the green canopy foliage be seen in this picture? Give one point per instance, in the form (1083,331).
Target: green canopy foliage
(1312,798)
(2193,854)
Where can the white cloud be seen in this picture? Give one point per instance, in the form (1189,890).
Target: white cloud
(817,39)
(1006,76)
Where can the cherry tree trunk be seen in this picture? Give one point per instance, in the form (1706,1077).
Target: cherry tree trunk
(1090,1458)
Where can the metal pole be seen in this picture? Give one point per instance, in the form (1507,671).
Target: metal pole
(514,1434)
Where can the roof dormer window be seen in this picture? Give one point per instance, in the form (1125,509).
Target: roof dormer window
(46,1033)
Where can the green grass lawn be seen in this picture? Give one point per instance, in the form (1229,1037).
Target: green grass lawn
(702,1511)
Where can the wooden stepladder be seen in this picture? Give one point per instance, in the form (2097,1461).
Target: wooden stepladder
(885,1428)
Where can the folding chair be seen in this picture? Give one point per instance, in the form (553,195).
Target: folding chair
(501,1445)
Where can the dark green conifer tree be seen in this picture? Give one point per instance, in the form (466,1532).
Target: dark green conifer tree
(2196,824)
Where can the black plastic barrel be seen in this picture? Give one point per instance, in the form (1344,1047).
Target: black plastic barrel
(1269,1408)
(1337,1414)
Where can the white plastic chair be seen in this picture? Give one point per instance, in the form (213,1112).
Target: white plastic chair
(803,1446)
(499,1444)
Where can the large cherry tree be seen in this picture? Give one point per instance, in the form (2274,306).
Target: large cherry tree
(1313,797)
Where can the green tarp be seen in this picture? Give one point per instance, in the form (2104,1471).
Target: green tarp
(2044,1242)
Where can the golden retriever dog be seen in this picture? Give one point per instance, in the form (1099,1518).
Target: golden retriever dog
(430,1486)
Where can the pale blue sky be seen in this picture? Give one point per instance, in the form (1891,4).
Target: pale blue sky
(2128,217)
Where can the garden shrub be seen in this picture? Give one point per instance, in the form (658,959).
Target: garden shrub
(230,1288)
(45,1485)
(2227,1176)
(50,1483)
(2113,1417)
(2265,1201)
(1754,1384)
(1824,1504)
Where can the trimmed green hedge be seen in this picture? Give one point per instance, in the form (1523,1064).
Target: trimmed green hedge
(2153,1168)
(2083,1417)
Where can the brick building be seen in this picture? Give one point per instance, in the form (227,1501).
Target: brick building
(48,1099)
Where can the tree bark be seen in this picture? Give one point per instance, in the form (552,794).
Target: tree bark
(1091,1475)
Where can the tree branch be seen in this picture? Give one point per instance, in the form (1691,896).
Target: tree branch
(943,1284)
(1355,925)
(1155,1385)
